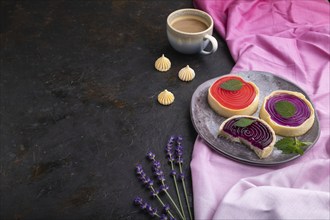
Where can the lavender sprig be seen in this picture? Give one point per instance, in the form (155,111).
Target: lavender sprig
(174,152)
(179,159)
(142,176)
(160,175)
(170,156)
(146,207)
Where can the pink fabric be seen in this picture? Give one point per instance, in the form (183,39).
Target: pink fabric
(290,39)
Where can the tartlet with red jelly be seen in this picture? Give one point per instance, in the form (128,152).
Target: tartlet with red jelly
(289,113)
(251,131)
(231,95)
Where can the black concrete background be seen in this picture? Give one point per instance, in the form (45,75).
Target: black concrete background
(79,104)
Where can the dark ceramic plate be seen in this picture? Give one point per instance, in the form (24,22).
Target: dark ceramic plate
(207,122)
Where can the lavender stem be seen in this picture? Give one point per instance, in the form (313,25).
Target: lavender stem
(185,192)
(161,202)
(177,191)
(177,209)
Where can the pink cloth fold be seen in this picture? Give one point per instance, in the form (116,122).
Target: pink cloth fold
(290,39)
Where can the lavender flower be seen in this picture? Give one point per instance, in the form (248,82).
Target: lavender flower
(169,149)
(179,160)
(139,169)
(174,155)
(163,188)
(151,156)
(152,211)
(163,217)
(158,171)
(155,193)
(179,140)
(142,176)
(179,153)
(138,200)
(182,176)
(156,167)
(173,173)
(150,183)
(145,206)
(166,207)
(170,152)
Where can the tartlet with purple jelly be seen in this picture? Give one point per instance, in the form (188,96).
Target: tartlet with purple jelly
(251,131)
(289,113)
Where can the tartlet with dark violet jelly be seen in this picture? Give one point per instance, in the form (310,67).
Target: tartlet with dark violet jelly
(231,95)
(289,113)
(251,131)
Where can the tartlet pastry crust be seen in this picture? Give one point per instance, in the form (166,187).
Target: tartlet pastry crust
(288,131)
(261,153)
(227,112)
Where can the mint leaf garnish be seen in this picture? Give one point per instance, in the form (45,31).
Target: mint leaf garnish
(291,145)
(285,109)
(244,122)
(232,85)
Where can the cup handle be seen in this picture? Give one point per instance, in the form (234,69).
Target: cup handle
(214,43)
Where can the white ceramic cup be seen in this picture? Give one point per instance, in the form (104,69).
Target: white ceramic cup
(189,31)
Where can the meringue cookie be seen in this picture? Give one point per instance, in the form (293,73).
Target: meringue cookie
(186,74)
(163,64)
(166,97)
